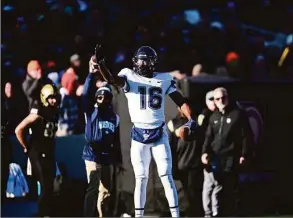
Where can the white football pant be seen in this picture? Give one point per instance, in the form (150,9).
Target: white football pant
(141,155)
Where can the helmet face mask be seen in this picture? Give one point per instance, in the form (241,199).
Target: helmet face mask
(144,61)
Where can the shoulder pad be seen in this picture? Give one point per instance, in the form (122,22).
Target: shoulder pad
(164,76)
(125,72)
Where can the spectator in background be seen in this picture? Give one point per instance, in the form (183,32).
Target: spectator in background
(198,75)
(203,118)
(197,70)
(75,61)
(77,64)
(33,83)
(69,112)
(14,103)
(52,73)
(259,69)
(186,164)
(225,148)
(6,146)
(233,64)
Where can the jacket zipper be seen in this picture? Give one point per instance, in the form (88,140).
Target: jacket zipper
(221,125)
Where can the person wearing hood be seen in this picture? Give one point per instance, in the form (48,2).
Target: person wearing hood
(33,83)
(102,152)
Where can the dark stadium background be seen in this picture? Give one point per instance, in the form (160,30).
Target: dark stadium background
(54,30)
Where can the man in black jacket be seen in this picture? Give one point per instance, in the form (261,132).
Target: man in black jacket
(226,146)
(33,83)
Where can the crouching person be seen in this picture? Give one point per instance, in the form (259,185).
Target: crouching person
(102,152)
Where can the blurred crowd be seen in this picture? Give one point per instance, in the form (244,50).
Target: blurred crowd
(54,39)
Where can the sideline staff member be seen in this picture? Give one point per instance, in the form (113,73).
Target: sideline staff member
(102,153)
(226,146)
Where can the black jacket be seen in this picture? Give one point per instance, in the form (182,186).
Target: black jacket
(32,87)
(228,137)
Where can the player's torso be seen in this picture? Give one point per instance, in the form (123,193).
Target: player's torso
(43,133)
(146,99)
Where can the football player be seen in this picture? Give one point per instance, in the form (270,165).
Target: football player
(145,91)
(42,122)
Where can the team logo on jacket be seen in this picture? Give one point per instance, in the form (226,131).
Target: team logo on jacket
(107,125)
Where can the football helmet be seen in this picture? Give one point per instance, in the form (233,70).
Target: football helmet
(47,91)
(144,61)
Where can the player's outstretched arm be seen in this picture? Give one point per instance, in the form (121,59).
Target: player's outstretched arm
(20,129)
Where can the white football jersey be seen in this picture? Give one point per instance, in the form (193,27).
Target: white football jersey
(146,97)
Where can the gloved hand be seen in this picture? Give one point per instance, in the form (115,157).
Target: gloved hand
(187,130)
(191,124)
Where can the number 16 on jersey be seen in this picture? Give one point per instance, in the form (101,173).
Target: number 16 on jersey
(150,97)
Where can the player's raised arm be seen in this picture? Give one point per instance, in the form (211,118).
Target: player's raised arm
(97,62)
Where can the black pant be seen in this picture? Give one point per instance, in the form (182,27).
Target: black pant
(106,175)
(227,196)
(44,171)
(192,181)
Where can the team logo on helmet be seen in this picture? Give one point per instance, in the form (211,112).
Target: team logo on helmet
(145,60)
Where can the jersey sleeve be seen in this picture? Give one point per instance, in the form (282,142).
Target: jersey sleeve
(125,73)
(35,109)
(172,87)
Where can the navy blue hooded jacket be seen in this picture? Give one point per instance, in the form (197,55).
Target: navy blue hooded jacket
(101,129)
